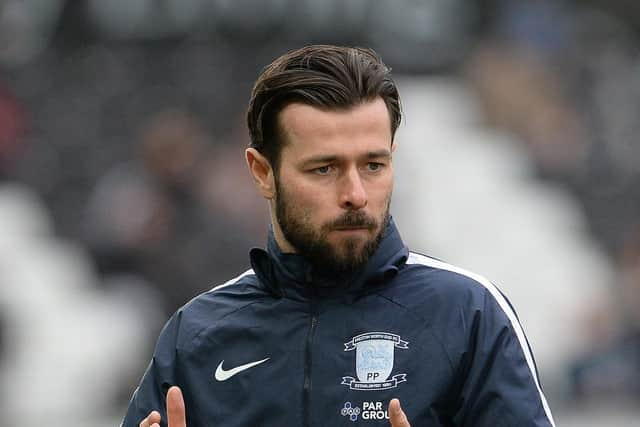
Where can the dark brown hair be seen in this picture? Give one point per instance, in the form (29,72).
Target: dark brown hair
(328,77)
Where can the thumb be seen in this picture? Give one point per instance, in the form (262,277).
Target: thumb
(396,415)
(175,408)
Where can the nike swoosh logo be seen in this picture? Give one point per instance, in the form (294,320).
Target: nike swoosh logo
(223,375)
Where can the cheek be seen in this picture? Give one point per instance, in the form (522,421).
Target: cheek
(303,194)
(380,192)
(313,203)
(304,202)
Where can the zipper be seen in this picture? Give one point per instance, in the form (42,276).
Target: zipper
(307,369)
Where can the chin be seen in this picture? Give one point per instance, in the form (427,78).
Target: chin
(351,248)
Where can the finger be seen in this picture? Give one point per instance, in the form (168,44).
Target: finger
(396,415)
(152,418)
(175,408)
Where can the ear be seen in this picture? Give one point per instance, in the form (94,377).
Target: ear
(261,171)
(393,146)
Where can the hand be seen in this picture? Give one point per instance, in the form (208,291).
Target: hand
(175,411)
(396,415)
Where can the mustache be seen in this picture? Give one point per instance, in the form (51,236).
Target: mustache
(353,219)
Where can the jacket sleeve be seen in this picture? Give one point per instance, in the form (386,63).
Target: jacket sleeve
(499,380)
(158,378)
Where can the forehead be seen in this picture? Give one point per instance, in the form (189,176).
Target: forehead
(308,128)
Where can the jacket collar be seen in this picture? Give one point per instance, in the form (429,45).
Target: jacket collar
(291,275)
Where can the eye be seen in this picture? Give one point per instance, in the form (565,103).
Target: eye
(374,167)
(322,170)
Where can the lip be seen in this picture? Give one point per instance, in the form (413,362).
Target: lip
(351,229)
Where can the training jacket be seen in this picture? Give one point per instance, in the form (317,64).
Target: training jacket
(281,346)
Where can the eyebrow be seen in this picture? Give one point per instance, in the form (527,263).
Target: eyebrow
(332,158)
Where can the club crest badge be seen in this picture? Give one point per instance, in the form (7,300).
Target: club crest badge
(374,361)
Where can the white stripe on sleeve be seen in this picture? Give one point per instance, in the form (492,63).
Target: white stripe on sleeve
(415,258)
(232,281)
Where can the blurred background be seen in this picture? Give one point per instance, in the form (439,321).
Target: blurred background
(123,190)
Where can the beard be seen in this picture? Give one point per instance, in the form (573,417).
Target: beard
(312,242)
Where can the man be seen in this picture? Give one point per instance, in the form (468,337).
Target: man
(337,322)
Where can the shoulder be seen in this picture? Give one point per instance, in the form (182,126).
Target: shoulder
(211,307)
(447,280)
(426,283)
(456,303)
(226,297)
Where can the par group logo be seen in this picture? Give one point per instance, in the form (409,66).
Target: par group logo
(371,410)
(349,411)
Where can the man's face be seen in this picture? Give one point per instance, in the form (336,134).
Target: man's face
(334,183)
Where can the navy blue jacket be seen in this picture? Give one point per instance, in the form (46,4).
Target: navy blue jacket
(280,346)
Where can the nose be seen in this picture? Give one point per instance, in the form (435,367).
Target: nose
(353,195)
